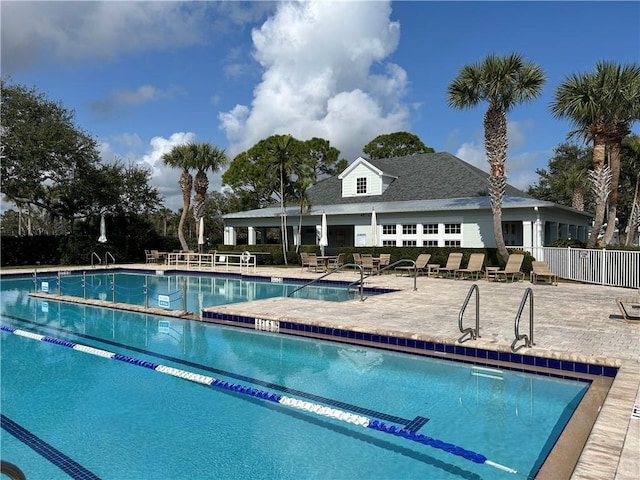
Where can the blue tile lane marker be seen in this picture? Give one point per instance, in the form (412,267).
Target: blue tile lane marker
(310,407)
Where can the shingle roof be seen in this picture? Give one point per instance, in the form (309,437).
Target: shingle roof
(429,176)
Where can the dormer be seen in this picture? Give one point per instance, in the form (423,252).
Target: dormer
(362,179)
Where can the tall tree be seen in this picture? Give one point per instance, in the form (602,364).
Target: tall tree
(206,157)
(565,181)
(502,82)
(182,156)
(601,105)
(398,144)
(284,158)
(48,161)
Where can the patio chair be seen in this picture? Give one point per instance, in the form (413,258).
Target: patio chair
(541,270)
(313,262)
(476,261)
(304,260)
(512,268)
(336,262)
(385,260)
(356,259)
(367,262)
(453,263)
(420,266)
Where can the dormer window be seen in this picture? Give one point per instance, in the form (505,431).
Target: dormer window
(361,185)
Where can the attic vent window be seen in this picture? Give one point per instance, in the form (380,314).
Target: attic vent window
(361,185)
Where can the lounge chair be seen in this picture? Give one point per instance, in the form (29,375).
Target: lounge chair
(512,268)
(453,264)
(629,308)
(541,270)
(420,266)
(476,261)
(356,259)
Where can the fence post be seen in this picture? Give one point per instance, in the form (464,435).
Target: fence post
(84,285)
(35,281)
(113,288)
(604,269)
(146,291)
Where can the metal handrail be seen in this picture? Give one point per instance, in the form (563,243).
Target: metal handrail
(528,340)
(12,471)
(404,260)
(473,333)
(95,255)
(106,258)
(337,269)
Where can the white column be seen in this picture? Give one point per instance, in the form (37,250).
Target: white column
(251,235)
(229,235)
(527,234)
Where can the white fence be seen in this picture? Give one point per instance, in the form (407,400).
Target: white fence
(616,268)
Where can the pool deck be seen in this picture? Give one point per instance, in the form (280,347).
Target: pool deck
(571,322)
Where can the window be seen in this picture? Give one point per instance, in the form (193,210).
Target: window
(452,228)
(388,243)
(452,243)
(409,229)
(408,243)
(430,229)
(388,229)
(430,243)
(361,185)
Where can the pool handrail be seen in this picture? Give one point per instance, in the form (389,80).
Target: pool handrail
(473,333)
(95,255)
(342,267)
(528,340)
(404,260)
(106,258)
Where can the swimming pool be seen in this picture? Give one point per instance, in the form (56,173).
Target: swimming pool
(117,420)
(189,292)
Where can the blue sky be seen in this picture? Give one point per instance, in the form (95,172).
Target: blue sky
(144,76)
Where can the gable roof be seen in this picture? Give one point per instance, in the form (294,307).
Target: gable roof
(430,176)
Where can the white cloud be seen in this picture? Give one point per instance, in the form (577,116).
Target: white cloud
(80,31)
(319,78)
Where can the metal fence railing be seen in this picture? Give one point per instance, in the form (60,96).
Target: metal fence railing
(618,268)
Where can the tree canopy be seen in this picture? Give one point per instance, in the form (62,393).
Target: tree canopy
(254,175)
(398,144)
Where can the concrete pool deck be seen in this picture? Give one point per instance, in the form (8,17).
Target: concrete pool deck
(571,322)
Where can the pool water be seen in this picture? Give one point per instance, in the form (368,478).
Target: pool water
(170,291)
(120,420)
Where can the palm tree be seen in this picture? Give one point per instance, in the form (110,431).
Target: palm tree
(602,105)
(300,191)
(182,156)
(206,157)
(282,156)
(502,82)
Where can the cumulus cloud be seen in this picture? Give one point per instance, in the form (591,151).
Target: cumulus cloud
(324,75)
(519,173)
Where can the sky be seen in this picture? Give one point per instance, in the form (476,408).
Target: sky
(142,77)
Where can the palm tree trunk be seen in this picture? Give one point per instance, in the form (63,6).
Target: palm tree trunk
(634,218)
(614,165)
(186,181)
(598,169)
(495,142)
(283,217)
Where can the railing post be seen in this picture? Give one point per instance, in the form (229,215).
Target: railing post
(113,288)
(84,285)
(146,291)
(184,296)
(35,281)
(59,285)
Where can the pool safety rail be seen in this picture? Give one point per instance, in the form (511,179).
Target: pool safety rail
(314,408)
(470,333)
(338,269)
(12,471)
(528,340)
(96,258)
(163,299)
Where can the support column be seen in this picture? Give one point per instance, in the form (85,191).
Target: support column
(251,235)
(229,235)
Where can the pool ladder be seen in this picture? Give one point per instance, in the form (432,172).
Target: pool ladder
(528,340)
(474,333)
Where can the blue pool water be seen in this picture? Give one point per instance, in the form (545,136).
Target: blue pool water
(103,418)
(203,290)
